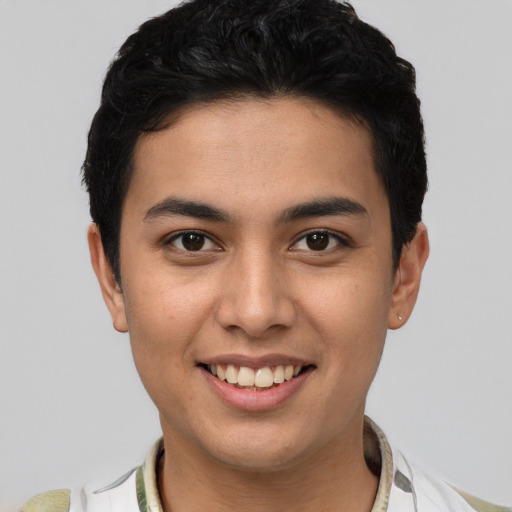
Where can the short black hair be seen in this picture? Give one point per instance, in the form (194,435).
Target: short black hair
(210,50)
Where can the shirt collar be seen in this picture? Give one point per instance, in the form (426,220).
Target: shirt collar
(377,453)
(146,479)
(379,458)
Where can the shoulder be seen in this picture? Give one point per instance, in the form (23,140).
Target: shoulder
(119,496)
(136,490)
(50,501)
(430,493)
(481,505)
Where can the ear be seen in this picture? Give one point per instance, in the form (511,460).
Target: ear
(407,278)
(110,289)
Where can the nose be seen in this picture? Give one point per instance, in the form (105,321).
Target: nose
(255,297)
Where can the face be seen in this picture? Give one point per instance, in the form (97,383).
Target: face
(256,249)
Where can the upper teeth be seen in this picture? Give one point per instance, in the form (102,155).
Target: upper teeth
(260,377)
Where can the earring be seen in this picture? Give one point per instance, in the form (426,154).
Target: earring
(399,317)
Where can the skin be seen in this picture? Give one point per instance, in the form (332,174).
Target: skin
(257,288)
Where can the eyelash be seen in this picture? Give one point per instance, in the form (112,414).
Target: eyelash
(206,239)
(340,241)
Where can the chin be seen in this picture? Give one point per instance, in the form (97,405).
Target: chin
(260,453)
(256,461)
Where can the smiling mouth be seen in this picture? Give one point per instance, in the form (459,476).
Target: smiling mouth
(255,379)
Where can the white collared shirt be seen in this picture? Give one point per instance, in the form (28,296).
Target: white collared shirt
(403,487)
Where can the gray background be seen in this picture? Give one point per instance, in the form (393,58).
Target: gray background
(71,406)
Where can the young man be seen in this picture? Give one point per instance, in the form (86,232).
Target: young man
(256,172)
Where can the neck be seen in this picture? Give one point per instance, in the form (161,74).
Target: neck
(334,479)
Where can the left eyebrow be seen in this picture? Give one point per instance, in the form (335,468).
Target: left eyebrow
(322,208)
(175,206)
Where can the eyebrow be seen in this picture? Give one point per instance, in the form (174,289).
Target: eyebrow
(317,208)
(175,206)
(322,208)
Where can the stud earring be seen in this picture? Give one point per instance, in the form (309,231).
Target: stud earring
(399,317)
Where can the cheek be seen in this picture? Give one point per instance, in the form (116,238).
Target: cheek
(356,304)
(163,320)
(351,320)
(164,316)
(350,314)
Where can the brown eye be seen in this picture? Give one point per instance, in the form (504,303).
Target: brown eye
(317,241)
(192,241)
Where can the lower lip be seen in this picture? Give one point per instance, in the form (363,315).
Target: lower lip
(251,400)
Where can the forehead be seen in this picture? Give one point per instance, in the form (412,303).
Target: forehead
(247,151)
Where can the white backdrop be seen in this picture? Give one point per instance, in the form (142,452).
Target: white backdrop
(71,405)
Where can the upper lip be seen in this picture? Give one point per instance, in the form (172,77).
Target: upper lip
(255,362)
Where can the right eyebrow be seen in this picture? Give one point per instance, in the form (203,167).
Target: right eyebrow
(175,206)
(323,207)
